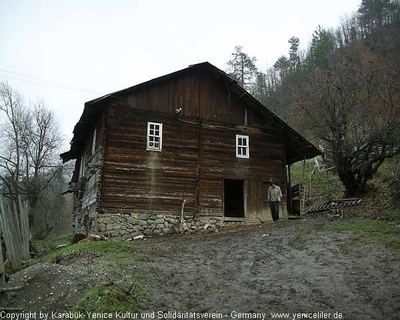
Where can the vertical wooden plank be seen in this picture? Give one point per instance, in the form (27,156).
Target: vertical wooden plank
(247,198)
(195,96)
(2,274)
(2,269)
(11,236)
(258,200)
(187,96)
(24,229)
(266,208)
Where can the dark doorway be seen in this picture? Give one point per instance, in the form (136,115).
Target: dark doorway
(233,198)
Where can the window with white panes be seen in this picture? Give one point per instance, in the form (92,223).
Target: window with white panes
(154,136)
(242,146)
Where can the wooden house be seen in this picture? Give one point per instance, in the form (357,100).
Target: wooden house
(192,142)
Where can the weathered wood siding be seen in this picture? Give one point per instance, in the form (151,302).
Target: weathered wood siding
(137,180)
(198,96)
(92,164)
(198,150)
(87,177)
(219,162)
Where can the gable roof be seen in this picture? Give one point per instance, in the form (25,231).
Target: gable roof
(297,147)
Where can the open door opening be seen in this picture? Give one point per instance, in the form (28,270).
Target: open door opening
(233,198)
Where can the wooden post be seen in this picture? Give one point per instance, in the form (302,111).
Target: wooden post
(290,194)
(182,220)
(2,272)
(25,233)
(10,237)
(302,192)
(15,229)
(303,204)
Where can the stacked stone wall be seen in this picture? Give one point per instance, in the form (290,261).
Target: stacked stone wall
(126,226)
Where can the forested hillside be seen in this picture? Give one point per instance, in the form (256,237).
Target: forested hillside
(343,92)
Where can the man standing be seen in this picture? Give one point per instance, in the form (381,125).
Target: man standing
(274,198)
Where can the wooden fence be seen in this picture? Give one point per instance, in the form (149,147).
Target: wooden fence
(14,231)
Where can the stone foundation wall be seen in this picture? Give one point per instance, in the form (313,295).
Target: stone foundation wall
(125,226)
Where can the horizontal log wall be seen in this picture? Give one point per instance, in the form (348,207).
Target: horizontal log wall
(218,162)
(198,151)
(137,180)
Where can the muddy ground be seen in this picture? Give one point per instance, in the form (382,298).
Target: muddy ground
(293,266)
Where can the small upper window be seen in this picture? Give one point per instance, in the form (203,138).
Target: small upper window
(154,136)
(242,146)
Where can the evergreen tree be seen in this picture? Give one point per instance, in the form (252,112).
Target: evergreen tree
(293,55)
(243,69)
(323,45)
(373,13)
(282,67)
(261,90)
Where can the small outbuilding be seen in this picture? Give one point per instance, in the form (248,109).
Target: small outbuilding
(191,143)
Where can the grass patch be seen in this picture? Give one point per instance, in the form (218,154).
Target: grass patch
(363,225)
(115,251)
(392,214)
(384,172)
(324,185)
(107,298)
(49,244)
(116,259)
(65,238)
(368,231)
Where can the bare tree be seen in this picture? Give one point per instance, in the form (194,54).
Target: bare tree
(13,133)
(41,156)
(28,153)
(353,108)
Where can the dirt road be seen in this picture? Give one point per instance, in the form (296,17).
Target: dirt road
(291,267)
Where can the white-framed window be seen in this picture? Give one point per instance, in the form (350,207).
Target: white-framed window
(154,136)
(242,146)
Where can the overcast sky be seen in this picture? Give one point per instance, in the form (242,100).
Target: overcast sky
(95,47)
